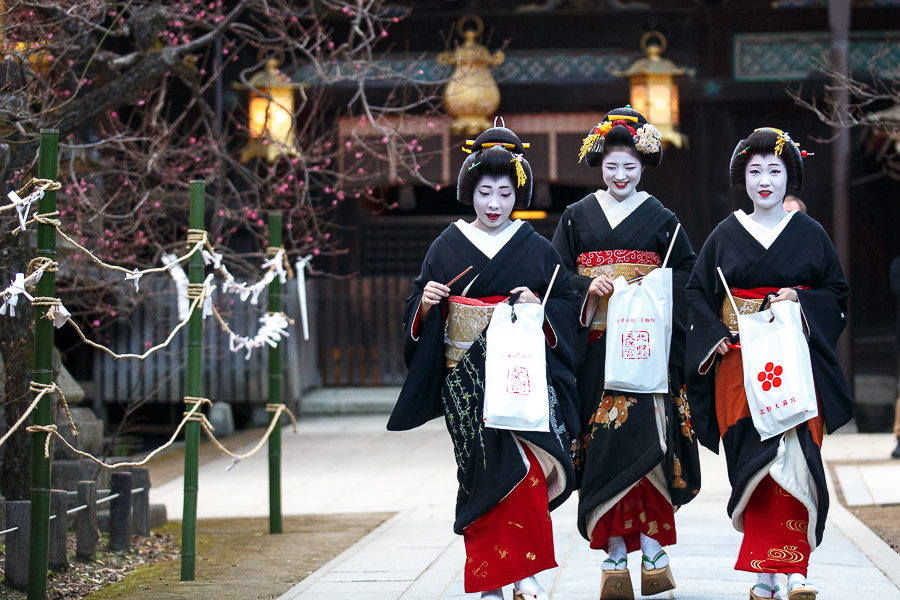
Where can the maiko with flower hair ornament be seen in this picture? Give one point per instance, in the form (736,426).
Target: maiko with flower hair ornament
(509,479)
(634,463)
(779,496)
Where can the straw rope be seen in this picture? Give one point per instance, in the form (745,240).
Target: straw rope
(41,389)
(150,351)
(42,185)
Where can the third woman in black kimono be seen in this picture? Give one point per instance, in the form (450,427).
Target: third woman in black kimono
(779,497)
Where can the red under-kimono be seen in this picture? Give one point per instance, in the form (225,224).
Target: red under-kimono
(514,539)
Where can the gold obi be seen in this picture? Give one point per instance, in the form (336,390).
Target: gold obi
(745,306)
(626,270)
(466,318)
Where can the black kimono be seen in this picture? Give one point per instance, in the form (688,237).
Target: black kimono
(801,255)
(613,459)
(489,461)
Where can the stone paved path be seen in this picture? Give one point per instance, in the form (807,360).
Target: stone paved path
(351,464)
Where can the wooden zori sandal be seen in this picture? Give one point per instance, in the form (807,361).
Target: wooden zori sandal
(616,585)
(799,591)
(656,581)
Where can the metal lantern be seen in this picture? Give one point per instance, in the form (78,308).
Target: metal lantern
(472,95)
(271,111)
(653,90)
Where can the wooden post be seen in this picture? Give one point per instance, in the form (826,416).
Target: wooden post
(140,502)
(120,512)
(839,21)
(86,533)
(18,514)
(59,504)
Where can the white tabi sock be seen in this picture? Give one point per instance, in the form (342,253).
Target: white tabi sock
(766,583)
(529,584)
(617,560)
(496,594)
(651,549)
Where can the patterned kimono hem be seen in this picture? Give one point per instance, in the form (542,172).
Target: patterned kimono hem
(514,539)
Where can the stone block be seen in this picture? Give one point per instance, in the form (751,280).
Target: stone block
(89,438)
(120,511)
(65,474)
(158,515)
(221,418)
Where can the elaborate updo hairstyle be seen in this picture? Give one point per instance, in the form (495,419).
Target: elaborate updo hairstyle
(763,141)
(623,129)
(497,152)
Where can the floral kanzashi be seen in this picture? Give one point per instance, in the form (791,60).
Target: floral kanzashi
(613,411)
(648,139)
(684,414)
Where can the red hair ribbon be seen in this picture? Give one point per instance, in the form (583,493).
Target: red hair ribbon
(626,125)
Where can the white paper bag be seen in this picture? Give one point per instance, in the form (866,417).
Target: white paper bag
(778,375)
(639,334)
(516,369)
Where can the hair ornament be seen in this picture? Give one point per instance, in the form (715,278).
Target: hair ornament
(506,145)
(520,171)
(647,139)
(475,165)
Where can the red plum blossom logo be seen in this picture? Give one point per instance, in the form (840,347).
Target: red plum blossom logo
(771,377)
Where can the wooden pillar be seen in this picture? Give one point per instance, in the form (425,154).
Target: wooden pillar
(839,21)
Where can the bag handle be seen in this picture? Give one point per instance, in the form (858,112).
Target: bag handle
(671,245)
(552,279)
(728,291)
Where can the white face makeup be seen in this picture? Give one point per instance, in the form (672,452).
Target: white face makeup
(494,199)
(621,173)
(766,179)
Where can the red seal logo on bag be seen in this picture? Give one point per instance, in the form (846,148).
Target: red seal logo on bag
(636,345)
(517,381)
(771,377)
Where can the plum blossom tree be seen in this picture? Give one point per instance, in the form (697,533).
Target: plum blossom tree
(137,90)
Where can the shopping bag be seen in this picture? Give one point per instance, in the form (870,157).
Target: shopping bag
(778,375)
(639,334)
(516,369)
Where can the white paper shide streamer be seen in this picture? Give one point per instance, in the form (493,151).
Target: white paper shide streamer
(301,266)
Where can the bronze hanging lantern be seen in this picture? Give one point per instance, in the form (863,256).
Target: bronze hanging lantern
(472,95)
(271,110)
(653,90)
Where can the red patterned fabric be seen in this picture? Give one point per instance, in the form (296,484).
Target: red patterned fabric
(642,510)
(513,540)
(614,257)
(486,301)
(759,293)
(775,538)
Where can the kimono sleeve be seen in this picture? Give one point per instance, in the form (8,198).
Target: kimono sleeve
(704,331)
(566,242)
(423,352)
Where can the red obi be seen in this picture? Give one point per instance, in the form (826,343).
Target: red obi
(611,263)
(611,257)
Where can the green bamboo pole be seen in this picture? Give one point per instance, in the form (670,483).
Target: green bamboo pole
(43,373)
(194,388)
(275,390)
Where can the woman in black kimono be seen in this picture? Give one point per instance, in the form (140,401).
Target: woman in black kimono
(508,480)
(779,497)
(638,454)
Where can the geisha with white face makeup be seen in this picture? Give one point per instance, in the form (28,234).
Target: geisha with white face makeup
(779,496)
(625,461)
(505,475)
